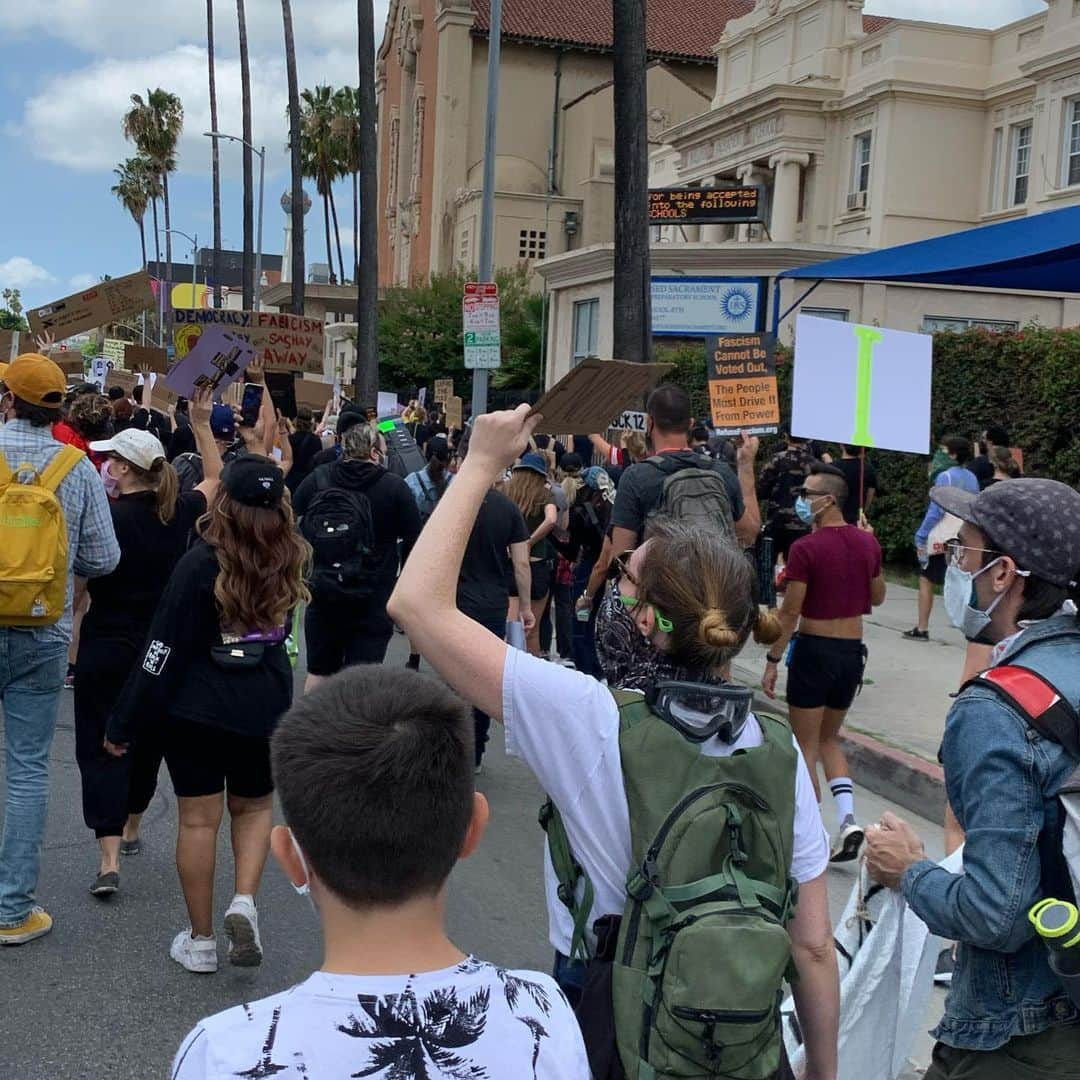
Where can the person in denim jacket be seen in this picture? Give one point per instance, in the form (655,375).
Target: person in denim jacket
(1012,575)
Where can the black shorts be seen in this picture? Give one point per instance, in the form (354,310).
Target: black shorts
(206,760)
(825,672)
(934,571)
(541,579)
(335,642)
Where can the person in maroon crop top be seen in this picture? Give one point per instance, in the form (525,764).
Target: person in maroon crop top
(834,578)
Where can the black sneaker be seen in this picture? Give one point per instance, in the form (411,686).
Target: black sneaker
(944,971)
(130,847)
(916,634)
(105,885)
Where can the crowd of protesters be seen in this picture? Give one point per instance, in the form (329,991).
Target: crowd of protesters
(588,592)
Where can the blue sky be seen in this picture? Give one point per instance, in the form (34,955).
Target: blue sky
(67,68)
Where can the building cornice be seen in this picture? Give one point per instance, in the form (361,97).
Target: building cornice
(909,90)
(454,13)
(1063,61)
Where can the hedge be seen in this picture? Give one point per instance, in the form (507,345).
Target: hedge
(1028,381)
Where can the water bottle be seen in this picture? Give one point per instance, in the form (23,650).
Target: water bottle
(582,614)
(1057,922)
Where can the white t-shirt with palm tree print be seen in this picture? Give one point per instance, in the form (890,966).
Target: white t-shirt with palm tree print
(474,1021)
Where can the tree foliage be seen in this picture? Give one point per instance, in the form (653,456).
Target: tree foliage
(11,314)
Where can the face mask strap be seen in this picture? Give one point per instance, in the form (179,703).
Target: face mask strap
(305,889)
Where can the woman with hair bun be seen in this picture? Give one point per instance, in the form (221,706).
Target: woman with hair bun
(616,765)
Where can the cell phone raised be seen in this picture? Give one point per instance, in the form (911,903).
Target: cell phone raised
(251,404)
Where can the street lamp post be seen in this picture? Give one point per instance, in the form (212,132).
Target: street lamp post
(194,241)
(262,175)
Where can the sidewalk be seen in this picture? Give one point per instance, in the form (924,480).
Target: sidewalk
(896,723)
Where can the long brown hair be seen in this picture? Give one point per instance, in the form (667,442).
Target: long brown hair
(529,490)
(262,560)
(162,480)
(705,586)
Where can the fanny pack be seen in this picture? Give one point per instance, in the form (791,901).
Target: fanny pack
(237,653)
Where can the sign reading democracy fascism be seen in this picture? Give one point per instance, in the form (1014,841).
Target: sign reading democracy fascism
(742,384)
(283,342)
(862,385)
(705,206)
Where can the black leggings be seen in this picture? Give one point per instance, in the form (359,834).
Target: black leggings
(112,788)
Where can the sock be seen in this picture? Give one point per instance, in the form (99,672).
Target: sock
(413,661)
(843,793)
(244,896)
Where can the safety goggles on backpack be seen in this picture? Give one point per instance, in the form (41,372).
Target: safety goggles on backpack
(698,711)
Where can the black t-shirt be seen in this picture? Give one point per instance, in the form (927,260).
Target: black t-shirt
(983,470)
(482,583)
(305,447)
(587,531)
(641,488)
(850,467)
(123,602)
(177,676)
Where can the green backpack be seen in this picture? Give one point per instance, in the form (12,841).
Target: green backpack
(703,948)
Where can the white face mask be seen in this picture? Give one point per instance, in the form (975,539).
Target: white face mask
(305,889)
(960,600)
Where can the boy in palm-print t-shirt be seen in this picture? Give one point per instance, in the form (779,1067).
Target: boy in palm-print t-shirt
(374,770)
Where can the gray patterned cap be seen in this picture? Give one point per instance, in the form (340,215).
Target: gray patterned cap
(1036,522)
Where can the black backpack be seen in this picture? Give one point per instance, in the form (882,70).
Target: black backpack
(339,526)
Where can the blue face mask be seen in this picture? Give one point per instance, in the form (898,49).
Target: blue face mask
(804,508)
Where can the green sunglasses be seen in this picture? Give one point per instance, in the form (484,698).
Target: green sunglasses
(662,621)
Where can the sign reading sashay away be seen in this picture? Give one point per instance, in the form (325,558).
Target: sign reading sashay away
(742,383)
(283,342)
(107,302)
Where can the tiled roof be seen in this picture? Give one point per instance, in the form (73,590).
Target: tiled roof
(675,28)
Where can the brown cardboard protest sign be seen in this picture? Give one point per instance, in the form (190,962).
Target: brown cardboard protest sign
(14,343)
(742,383)
(453,414)
(282,342)
(126,380)
(137,357)
(70,362)
(444,390)
(107,302)
(586,399)
(316,395)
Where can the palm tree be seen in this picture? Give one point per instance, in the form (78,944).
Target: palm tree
(215,159)
(346,126)
(154,125)
(367,278)
(296,166)
(245,91)
(321,157)
(136,185)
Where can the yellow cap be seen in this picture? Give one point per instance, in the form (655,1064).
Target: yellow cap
(37,380)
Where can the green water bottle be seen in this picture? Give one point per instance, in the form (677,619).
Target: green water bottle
(1057,922)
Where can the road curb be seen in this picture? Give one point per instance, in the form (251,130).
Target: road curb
(903,778)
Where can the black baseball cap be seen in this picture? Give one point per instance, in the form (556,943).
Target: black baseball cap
(1034,521)
(254,480)
(350,416)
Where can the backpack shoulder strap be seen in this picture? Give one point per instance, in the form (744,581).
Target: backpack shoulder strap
(633,708)
(53,474)
(569,872)
(322,478)
(1038,702)
(6,475)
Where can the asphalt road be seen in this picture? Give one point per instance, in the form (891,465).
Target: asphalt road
(100,999)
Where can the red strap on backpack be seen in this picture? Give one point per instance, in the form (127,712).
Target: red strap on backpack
(1037,700)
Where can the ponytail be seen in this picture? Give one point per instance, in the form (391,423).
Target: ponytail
(167,488)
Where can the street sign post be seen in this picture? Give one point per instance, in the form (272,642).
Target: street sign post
(480,323)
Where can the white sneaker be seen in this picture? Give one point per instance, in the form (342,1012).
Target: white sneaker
(195,954)
(848,843)
(242,930)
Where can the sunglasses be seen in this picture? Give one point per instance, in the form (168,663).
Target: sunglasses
(620,568)
(809,493)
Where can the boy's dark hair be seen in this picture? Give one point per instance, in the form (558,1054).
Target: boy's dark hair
(700,434)
(835,482)
(374,770)
(669,408)
(34,415)
(959,447)
(997,435)
(115,393)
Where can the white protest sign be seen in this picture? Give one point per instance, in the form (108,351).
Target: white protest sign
(480,324)
(630,421)
(862,385)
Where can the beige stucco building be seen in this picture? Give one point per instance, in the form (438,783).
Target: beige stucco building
(864,133)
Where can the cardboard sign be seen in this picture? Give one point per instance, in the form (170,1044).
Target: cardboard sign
(126,380)
(113,349)
(862,385)
(592,393)
(217,360)
(454,420)
(14,343)
(629,421)
(742,383)
(107,302)
(283,342)
(315,395)
(138,357)
(70,362)
(444,390)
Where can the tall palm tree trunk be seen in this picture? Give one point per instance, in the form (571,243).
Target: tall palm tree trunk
(168,246)
(142,239)
(249,199)
(329,249)
(215,159)
(295,164)
(337,237)
(367,292)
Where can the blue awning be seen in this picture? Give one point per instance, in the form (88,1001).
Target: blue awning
(1037,253)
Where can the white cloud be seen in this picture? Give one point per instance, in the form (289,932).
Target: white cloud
(82,281)
(19,272)
(985,13)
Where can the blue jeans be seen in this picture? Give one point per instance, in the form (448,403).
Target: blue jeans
(584,636)
(570,975)
(31,681)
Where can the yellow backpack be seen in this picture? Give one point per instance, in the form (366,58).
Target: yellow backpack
(34,542)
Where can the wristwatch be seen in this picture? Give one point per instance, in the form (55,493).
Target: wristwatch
(769,659)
